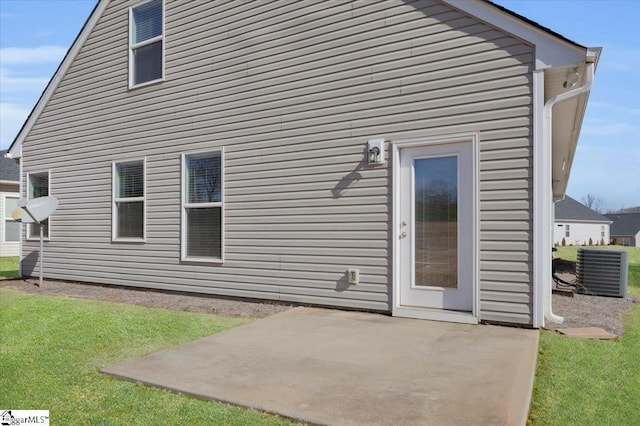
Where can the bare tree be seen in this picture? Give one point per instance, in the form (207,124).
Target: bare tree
(627,210)
(594,203)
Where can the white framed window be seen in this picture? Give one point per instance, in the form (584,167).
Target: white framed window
(567,231)
(11,227)
(38,186)
(146,43)
(202,233)
(601,231)
(129,201)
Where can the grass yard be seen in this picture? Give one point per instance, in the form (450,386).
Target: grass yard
(52,348)
(570,253)
(9,267)
(588,382)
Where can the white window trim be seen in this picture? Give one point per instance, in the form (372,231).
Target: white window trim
(7,218)
(133,46)
(184,206)
(28,196)
(114,200)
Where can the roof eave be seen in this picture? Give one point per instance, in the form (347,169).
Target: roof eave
(592,55)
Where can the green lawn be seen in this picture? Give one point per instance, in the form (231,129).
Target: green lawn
(51,350)
(570,253)
(9,267)
(590,382)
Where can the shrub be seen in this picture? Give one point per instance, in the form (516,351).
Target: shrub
(602,242)
(564,242)
(614,242)
(590,242)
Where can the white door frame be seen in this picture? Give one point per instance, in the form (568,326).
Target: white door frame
(424,313)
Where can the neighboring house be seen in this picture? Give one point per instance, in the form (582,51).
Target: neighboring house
(9,195)
(625,228)
(387,156)
(577,224)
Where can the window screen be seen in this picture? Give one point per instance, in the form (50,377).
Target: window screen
(202,206)
(38,187)
(146,42)
(129,200)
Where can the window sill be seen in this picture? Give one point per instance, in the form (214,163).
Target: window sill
(37,239)
(193,259)
(145,84)
(129,240)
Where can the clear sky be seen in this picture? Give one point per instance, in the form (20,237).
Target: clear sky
(35,34)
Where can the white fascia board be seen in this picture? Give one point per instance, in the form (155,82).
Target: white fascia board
(15,151)
(10,182)
(551,51)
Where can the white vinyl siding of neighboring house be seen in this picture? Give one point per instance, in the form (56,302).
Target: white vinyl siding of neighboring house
(580,233)
(292,91)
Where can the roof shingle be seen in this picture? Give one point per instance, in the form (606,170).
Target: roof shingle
(9,170)
(624,223)
(570,209)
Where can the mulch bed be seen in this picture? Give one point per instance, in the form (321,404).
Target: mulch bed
(578,311)
(151,298)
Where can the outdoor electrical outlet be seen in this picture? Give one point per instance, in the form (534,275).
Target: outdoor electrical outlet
(353,275)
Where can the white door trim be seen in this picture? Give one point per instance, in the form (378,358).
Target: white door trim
(434,314)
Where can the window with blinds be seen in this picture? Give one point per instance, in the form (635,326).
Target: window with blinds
(202,214)
(38,187)
(146,43)
(128,201)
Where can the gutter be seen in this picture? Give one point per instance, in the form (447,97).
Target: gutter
(547,117)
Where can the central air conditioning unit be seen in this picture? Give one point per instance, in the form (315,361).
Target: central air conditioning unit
(602,272)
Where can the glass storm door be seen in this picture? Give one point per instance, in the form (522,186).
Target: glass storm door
(436,214)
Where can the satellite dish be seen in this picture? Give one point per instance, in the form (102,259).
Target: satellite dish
(35,210)
(20,215)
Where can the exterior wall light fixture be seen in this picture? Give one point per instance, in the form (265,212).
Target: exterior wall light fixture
(571,79)
(375,151)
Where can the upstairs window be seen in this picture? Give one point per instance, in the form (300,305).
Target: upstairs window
(38,187)
(567,231)
(202,214)
(128,201)
(146,43)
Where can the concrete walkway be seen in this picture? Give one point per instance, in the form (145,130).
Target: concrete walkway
(349,368)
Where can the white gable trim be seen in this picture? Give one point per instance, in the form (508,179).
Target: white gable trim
(15,151)
(551,51)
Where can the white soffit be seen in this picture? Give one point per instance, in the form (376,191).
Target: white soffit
(551,51)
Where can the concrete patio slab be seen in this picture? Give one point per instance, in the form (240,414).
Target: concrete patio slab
(334,367)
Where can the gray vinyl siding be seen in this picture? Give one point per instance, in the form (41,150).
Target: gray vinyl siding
(292,90)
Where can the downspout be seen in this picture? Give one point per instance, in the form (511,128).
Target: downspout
(548,108)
